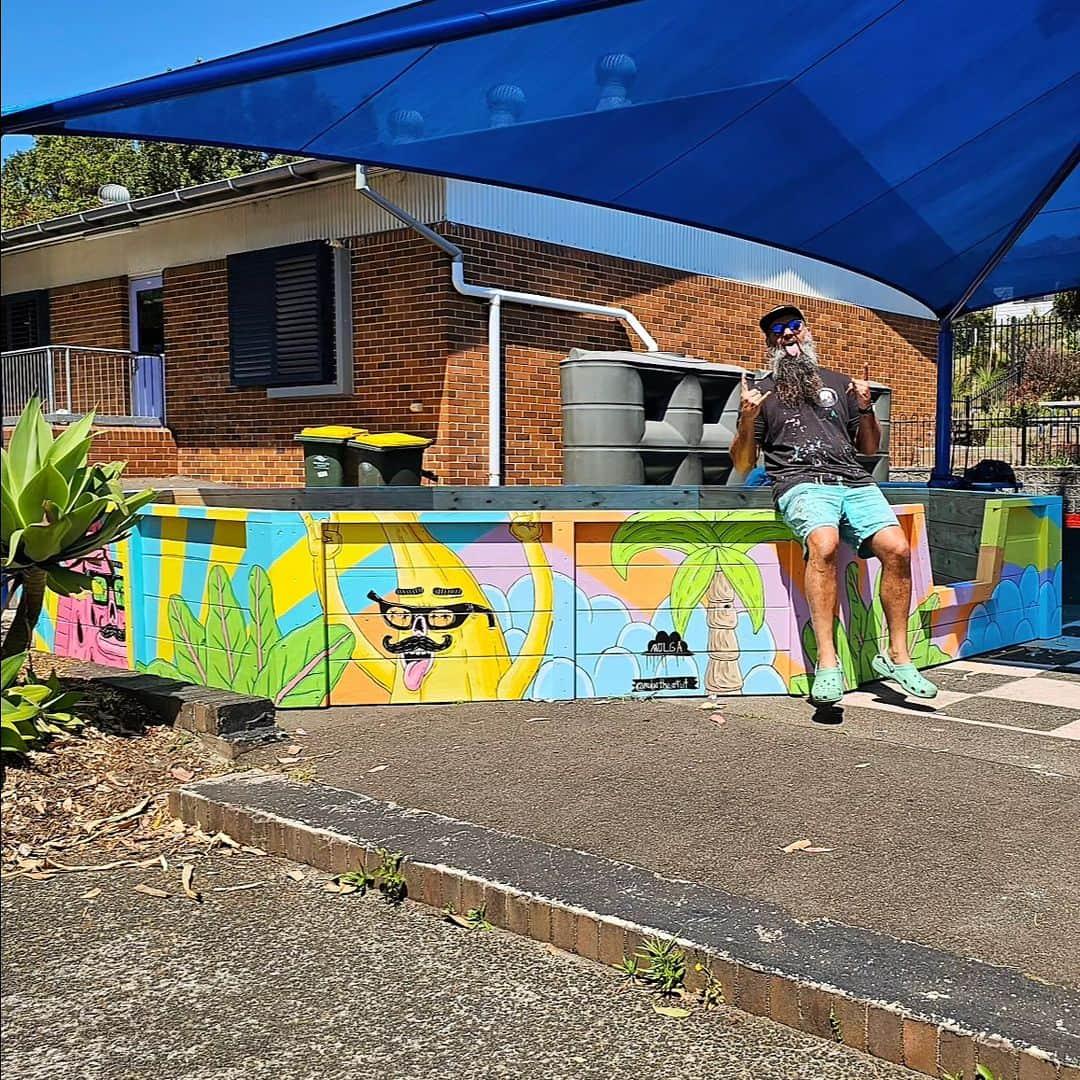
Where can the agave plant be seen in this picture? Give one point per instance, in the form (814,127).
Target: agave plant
(56,508)
(33,710)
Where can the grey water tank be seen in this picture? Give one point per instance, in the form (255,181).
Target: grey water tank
(660,418)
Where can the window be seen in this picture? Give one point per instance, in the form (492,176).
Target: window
(24,320)
(285,329)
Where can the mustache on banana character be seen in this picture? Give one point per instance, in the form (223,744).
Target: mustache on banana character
(418,650)
(445,642)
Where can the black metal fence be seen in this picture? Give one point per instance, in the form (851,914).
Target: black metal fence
(985,353)
(1046,436)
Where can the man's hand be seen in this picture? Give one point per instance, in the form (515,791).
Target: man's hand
(861,389)
(750,400)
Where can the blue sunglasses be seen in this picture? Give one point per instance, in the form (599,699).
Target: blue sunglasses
(794,326)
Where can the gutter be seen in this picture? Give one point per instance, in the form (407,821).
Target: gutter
(281,177)
(495,299)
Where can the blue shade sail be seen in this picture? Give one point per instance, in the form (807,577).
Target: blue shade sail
(909,141)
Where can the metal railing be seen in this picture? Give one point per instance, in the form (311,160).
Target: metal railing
(71,380)
(984,355)
(1044,434)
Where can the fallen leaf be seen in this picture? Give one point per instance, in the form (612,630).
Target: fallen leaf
(252,850)
(816,850)
(300,731)
(719,719)
(296,748)
(457,920)
(296,875)
(863,765)
(187,872)
(238,888)
(287,760)
(537,719)
(342,888)
(224,838)
(135,811)
(556,951)
(378,768)
(181,774)
(797,845)
(705,706)
(92,894)
(149,890)
(673,1011)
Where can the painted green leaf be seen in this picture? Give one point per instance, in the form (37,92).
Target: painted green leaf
(750,533)
(189,640)
(800,684)
(632,538)
(296,670)
(745,578)
(225,630)
(691,583)
(264,633)
(809,644)
(162,668)
(843,652)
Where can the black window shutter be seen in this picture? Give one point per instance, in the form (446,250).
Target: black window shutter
(25,320)
(281,316)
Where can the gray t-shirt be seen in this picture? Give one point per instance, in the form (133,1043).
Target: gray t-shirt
(810,442)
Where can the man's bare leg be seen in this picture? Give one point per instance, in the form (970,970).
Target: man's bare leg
(891,547)
(820,577)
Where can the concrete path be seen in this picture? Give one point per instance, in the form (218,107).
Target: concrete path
(285,980)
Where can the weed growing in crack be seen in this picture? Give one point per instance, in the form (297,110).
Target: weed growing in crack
(660,967)
(388,875)
(473,919)
(360,878)
(836,1026)
(711,992)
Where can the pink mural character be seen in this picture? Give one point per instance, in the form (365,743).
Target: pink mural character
(93,625)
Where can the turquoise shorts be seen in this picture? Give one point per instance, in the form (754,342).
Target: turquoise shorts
(858,512)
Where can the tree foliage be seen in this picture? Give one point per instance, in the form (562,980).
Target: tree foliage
(1067,308)
(61,174)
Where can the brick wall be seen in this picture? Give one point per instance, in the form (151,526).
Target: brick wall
(418,341)
(704,317)
(149,452)
(92,314)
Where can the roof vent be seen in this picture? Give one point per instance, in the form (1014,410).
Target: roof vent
(114,193)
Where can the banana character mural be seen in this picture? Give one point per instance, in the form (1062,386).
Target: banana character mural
(434,637)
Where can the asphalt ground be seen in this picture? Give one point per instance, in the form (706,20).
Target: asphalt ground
(954,831)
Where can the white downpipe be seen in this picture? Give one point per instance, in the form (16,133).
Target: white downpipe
(509,296)
(495,402)
(495,298)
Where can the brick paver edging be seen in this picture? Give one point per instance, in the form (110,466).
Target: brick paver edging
(904,1002)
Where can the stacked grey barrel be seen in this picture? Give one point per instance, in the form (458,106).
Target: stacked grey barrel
(658,418)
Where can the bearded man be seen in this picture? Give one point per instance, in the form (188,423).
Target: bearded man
(810,422)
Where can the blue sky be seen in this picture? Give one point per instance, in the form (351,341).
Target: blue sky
(56,49)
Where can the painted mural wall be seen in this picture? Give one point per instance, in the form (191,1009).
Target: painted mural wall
(424,607)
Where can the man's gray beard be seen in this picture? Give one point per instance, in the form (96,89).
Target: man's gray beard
(797,377)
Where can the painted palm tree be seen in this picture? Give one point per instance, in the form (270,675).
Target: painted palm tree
(717,570)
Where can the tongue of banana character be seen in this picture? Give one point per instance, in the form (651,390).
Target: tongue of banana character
(416,669)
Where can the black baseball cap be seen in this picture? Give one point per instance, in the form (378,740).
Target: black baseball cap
(783,313)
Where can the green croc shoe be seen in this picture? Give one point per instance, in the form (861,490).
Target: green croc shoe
(828,686)
(907,675)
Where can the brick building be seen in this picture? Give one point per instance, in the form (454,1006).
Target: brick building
(383,340)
